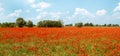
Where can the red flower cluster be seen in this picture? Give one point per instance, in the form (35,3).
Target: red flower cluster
(21,34)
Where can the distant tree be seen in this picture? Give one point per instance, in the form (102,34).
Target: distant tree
(116,25)
(12,24)
(96,25)
(105,25)
(20,22)
(49,23)
(41,24)
(29,23)
(88,24)
(7,24)
(69,25)
(91,24)
(0,24)
(109,25)
(80,24)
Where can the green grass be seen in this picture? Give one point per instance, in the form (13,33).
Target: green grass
(62,47)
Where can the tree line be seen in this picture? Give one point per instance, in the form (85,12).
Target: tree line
(20,22)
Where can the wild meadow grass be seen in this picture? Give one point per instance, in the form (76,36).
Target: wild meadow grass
(62,47)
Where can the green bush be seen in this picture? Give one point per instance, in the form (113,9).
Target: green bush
(79,24)
(69,25)
(20,22)
(88,24)
(7,24)
(49,23)
(29,23)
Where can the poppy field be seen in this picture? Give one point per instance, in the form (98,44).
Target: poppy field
(66,41)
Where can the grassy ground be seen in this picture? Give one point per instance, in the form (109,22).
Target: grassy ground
(62,47)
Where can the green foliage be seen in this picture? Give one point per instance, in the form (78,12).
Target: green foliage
(50,23)
(20,22)
(109,25)
(69,25)
(29,24)
(79,24)
(7,24)
(115,25)
(88,24)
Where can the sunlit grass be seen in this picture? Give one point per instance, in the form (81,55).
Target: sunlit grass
(61,47)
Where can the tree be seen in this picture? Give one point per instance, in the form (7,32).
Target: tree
(115,25)
(91,24)
(0,24)
(20,22)
(30,23)
(79,24)
(49,23)
(7,24)
(105,25)
(109,25)
(69,25)
(88,24)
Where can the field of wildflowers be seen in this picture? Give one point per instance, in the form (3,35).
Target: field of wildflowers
(71,41)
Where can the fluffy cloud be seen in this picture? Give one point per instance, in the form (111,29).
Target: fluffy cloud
(116,12)
(83,13)
(16,13)
(117,8)
(1,8)
(55,15)
(101,12)
(10,17)
(41,5)
(42,15)
(51,15)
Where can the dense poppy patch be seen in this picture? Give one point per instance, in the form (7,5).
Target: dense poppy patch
(69,41)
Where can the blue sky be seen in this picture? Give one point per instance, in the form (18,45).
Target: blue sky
(69,11)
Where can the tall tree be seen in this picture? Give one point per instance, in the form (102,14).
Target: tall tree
(30,23)
(20,22)
(80,24)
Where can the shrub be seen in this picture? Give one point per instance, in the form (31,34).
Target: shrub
(88,24)
(69,25)
(50,23)
(20,22)
(79,24)
(7,24)
(29,23)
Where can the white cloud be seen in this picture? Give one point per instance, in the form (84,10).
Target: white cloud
(55,15)
(82,13)
(10,17)
(41,15)
(101,12)
(116,12)
(51,15)
(1,8)
(14,14)
(117,8)
(31,1)
(41,5)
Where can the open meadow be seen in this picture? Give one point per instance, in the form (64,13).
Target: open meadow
(66,41)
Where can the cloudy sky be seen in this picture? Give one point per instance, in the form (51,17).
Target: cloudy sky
(69,11)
